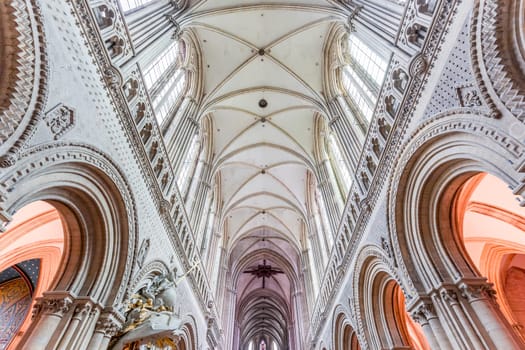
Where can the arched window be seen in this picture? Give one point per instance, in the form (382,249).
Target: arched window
(189,164)
(250,347)
(362,77)
(339,164)
(323,213)
(165,81)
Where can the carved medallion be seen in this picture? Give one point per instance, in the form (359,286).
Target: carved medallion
(60,119)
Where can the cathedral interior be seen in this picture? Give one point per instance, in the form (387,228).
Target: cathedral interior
(262,175)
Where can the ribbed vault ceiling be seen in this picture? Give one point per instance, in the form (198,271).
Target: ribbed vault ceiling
(264,156)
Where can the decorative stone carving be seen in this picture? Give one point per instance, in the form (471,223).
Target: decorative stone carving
(416,34)
(387,247)
(498,54)
(449,296)
(108,325)
(177,30)
(349,25)
(57,306)
(468,96)
(23,68)
(104,15)
(150,313)
(424,313)
(143,252)
(400,79)
(113,77)
(116,45)
(418,66)
(476,292)
(131,88)
(60,119)
(428,310)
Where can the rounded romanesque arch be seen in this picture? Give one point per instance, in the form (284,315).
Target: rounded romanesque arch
(189,338)
(98,215)
(345,336)
(380,304)
(31,256)
(488,223)
(424,193)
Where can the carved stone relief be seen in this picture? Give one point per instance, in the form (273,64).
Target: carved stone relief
(60,119)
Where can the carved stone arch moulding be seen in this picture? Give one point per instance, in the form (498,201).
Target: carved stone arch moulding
(449,146)
(153,267)
(18,187)
(498,53)
(370,257)
(192,61)
(23,77)
(342,318)
(336,57)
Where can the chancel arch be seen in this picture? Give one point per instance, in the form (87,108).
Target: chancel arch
(427,215)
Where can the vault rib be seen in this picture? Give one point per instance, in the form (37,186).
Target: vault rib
(190,16)
(204,108)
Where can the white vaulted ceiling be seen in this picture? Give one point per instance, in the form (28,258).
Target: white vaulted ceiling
(253,51)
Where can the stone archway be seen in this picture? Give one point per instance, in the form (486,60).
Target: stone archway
(98,213)
(345,337)
(450,299)
(35,236)
(381,304)
(491,226)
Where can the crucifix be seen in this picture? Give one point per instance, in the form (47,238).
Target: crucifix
(263,271)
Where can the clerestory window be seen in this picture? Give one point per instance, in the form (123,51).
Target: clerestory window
(189,164)
(339,164)
(363,76)
(165,81)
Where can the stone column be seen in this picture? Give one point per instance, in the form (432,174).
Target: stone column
(483,301)
(75,330)
(458,322)
(107,326)
(425,315)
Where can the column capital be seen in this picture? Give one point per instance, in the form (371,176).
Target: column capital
(473,292)
(423,313)
(109,323)
(53,303)
(449,296)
